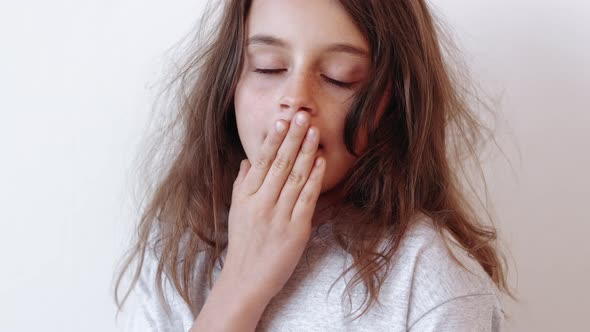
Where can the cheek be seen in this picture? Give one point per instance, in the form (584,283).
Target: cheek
(250,116)
(250,98)
(253,84)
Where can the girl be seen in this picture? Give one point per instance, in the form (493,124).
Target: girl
(316,186)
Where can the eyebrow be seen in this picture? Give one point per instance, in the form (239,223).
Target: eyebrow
(332,48)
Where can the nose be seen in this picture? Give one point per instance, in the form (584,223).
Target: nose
(298,95)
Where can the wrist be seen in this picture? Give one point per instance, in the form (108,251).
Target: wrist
(240,291)
(241,300)
(231,307)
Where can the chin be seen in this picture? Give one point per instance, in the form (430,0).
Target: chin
(328,183)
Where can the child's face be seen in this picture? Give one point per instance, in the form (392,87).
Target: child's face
(298,39)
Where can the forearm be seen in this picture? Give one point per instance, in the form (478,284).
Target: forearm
(229,309)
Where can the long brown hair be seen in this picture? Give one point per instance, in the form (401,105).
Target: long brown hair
(417,152)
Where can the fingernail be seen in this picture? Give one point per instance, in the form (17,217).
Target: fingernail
(300,119)
(279,126)
(311,134)
(318,162)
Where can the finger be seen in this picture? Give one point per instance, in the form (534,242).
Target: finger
(306,202)
(265,157)
(285,157)
(299,173)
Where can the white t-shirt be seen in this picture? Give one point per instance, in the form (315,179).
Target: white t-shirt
(425,291)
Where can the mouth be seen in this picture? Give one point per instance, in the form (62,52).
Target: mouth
(320,145)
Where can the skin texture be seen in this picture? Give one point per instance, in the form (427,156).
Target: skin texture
(304,67)
(275,194)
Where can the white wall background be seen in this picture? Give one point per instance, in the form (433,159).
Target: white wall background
(77,84)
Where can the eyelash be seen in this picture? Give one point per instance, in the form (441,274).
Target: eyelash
(339,84)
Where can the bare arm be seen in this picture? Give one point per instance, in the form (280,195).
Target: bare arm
(273,201)
(229,308)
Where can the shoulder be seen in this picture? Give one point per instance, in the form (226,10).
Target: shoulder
(436,282)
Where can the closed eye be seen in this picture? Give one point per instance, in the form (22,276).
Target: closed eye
(344,85)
